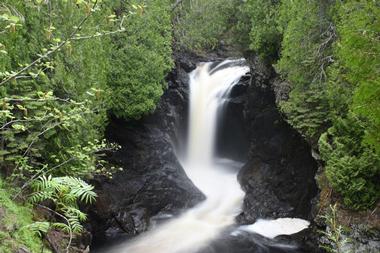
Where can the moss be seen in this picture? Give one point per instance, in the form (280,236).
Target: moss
(14,218)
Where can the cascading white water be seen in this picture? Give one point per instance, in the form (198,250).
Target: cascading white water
(203,223)
(207,95)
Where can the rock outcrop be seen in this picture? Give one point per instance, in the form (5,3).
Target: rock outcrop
(153,182)
(278,175)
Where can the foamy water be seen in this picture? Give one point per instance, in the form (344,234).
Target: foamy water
(200,225)
(274,228)
(203,223)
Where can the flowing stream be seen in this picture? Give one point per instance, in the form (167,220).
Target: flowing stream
(210,85)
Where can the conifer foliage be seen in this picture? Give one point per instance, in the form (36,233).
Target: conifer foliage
(64,67)
(329,53)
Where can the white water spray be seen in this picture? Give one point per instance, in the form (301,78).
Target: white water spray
(203,223)
(197,227)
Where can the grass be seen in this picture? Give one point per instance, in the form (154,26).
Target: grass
(13,219)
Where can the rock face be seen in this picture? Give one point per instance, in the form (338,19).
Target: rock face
(279,170)
(153,183)
(253,243)
(278,175)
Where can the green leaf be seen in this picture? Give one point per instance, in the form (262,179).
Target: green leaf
(18,127)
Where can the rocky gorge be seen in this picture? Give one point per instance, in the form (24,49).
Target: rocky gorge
(277,174)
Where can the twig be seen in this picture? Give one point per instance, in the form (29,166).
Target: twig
(27,183)
(38,173)
(66,100)
(21,77)
(15,121)
(41,133)
(98,35)
(67,221)
(175,5)
(121,23)
(101,34)
(374,210)
(47,54)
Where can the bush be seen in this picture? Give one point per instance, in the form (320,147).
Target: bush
(304,59)
(358,54)
(53,113)
(201,24)
(329,53)
(351,147)
(308,112)
(141,58)
(262,19)
(351,166)
(56,110)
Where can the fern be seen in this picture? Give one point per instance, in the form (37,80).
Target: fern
(39,227)
(61,226)
(64,192)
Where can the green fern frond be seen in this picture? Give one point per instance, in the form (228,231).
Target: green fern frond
(61,226)
(39,227)
(65,192)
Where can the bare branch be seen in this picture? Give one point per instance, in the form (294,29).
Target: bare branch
(42,170)
(67,221)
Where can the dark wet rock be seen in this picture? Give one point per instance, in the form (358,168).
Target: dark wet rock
(253,243)
(153,183)
(59,240)
(232,140)
(279,176)
(363,240)
(281,90)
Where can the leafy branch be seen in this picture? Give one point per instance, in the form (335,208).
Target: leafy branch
(53,49)
(64,192)
(101,34)
(334,232)
(45,170)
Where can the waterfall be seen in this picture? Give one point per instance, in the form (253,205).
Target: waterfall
(208,93)
(209,87)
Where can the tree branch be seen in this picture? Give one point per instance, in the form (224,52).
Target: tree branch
(16,121)
(101,34)
(98,34)
(47,54)
(27,183)
(67,221)
(175,5)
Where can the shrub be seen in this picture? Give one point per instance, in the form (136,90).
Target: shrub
(351,166)
(264,35)
(358,54)
(141,58)
(201,24)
